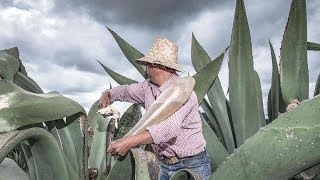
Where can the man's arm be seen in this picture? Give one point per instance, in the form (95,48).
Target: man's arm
(123,145)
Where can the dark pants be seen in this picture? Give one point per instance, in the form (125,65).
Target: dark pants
(199,163)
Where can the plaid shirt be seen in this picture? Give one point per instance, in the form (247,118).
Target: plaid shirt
(181,133)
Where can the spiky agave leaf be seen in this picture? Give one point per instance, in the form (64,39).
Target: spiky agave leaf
(215,94)
(261,118)
(313,46)
(243,97)
(317,86)
(273,97)
(20,108)
(10,170)
(9,64)
(294,73)
(293,146)
(48,156)
(130,52)
(118,77)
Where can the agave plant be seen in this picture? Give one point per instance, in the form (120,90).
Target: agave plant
(39,131)
(239,141)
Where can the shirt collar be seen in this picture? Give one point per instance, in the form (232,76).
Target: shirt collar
(171,79)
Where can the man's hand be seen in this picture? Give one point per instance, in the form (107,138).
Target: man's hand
(104,100)
(119,147)
(122,146)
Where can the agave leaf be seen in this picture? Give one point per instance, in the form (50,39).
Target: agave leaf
(75,132)
(310,173)
(48,157)
(9,65)
(212,118)
(293,141)
(130,52)
(20,108)
(217,152)
(27,83)
(66,142)
(273,98)
(294,77)
(10,170)
(215,94)
(118,77)
(317,86)
(205,77)
(243,98)
(123,164)
(97,158)
(313,46)
(185,174)
(262,119)
(128,120)
(146,164)
(26,150)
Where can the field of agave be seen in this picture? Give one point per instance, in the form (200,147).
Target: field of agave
(48,136)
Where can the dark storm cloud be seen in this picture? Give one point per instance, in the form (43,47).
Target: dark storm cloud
(154,14)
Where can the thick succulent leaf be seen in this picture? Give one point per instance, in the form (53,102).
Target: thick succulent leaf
(48,157)
(26,83)
(262,120)
(313,46)
(92,112)
(20,108)
(184,174)
(273,98)
(76,135)
(294,78)
(293,146)
(212,118)
(27,153)
(317,86)
(146,164)
(97,158)
(66,142)
(310,173)
(118,77)
(205,77)
(217,152)
(9,64)
(10,170)
(243,98)
(128,120)
(130,52)
(215,94)
(122,169)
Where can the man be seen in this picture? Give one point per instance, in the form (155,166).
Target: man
(178,140)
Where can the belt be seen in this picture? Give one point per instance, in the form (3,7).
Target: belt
(174,160)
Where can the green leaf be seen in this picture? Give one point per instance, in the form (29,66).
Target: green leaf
(243,97)
(294,78)
(273,98)
(97,158)
(123,164)
(118,77)
(20,108)
(146,164)
(217,152)
(27,83)
(26,150)
(313,46)
(262,120)
(205,77)
(130,52)
(48,157)
(76,135)
(215,94)
(10,170)
(317,86)
(292,146)
(9,64)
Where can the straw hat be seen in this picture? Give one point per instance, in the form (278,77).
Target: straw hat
(163,52)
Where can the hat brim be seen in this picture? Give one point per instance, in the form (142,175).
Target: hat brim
(145,60)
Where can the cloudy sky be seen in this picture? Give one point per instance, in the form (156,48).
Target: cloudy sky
(60,40)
